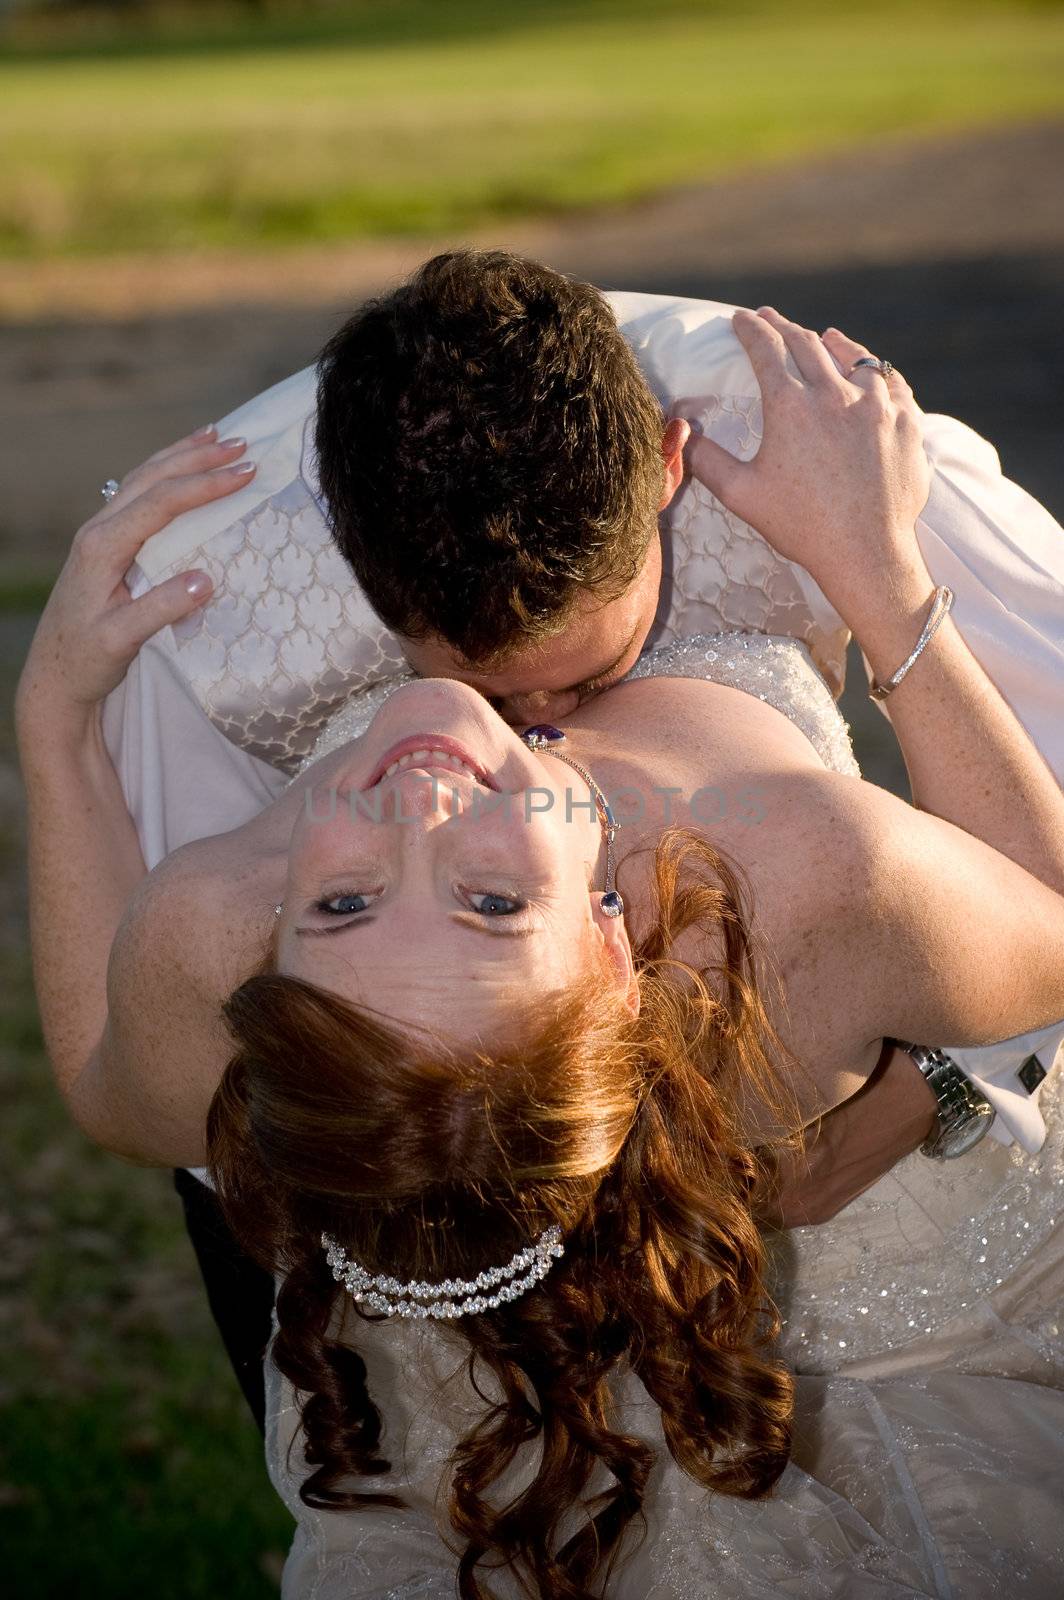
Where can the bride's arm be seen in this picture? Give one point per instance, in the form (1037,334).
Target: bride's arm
(84,859)
(948,941)
(837,486)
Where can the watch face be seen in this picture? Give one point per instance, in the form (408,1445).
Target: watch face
(958,1141)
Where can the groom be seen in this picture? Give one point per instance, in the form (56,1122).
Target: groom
(492,465)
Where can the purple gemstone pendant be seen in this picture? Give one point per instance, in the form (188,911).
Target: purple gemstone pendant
(541,735)
(612,904)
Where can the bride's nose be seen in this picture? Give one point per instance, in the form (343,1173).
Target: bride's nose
(543,705)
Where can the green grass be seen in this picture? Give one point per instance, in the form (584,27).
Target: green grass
(409,119)
(23,591)
(129,1464)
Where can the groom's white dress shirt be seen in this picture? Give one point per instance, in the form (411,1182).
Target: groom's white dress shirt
(215,713)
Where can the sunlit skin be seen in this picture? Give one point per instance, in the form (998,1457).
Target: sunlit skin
(485,890)
(602,641)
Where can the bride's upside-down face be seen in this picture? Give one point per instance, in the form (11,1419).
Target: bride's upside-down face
(446,875)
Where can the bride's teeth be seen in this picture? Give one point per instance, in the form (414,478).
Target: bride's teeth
(438,758)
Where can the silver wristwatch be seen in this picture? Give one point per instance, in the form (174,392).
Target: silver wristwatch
(964,1112)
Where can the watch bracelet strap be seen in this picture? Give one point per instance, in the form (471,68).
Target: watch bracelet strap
(953,1090)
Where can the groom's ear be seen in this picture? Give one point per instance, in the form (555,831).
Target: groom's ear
(676,435)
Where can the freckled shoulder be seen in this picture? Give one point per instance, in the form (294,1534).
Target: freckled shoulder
(709,726)
(195,928)
(214,900)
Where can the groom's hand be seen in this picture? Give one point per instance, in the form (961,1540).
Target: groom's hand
(853,1146)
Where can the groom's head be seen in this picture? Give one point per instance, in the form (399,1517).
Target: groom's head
(494,463)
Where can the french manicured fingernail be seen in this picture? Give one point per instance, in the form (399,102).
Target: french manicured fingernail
(243,469)
(206,431)
(231,444)
(198,583)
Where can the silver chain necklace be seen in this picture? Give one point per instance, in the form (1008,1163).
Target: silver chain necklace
(543,737)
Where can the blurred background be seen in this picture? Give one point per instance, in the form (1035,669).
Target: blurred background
(192,195)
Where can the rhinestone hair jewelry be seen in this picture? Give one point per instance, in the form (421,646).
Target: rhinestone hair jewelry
(544,736)
(455,1297)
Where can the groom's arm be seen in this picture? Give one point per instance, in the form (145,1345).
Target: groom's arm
(852,1147)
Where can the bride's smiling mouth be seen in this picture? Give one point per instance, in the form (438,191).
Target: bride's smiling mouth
(429,751)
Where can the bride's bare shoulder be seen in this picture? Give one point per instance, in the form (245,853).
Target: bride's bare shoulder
(706,720)
(207,908)
(196,926)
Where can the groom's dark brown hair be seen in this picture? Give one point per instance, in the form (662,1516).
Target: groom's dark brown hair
(488,448)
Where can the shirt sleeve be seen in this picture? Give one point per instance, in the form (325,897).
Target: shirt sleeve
(1002,554)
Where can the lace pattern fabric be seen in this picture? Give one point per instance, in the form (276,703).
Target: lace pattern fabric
(721,575)
(937,1483)
(287,638)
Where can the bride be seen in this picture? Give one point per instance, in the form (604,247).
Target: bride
(520,1078)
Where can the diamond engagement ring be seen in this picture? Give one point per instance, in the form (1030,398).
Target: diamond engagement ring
(110,488)
(884,368)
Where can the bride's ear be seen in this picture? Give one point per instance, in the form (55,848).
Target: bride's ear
(618,951)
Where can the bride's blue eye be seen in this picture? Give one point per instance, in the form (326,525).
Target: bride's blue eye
(495,905)
(329,908)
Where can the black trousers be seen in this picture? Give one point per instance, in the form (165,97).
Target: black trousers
(239,1291)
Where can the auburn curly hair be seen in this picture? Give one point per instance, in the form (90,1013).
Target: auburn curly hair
(627,1132)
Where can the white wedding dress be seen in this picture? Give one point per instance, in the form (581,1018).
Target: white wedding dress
(924,1325)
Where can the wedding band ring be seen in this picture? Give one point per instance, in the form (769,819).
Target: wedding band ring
(110,488)
(884,368)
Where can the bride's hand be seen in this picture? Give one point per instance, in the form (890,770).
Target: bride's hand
(91,629)
(841,475)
